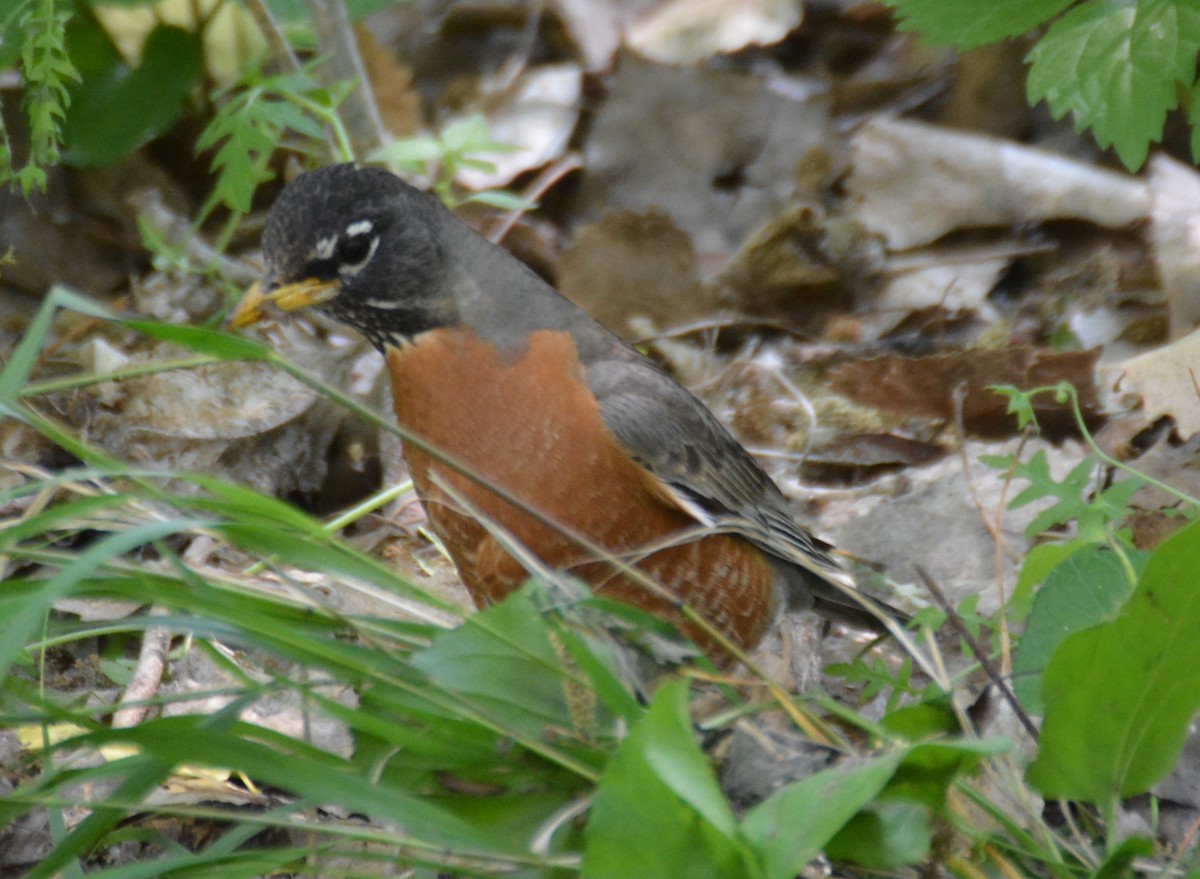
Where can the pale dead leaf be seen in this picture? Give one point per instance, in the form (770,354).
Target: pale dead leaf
(231,38)
(913,183)
(1175,236)
(1168,381)
(688,31)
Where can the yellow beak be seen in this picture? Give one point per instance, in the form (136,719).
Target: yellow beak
(289,297)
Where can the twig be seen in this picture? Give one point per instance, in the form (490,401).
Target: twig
(273,34)
(570,162)
(335,40)
(977,650)
(152,660)
(992,524)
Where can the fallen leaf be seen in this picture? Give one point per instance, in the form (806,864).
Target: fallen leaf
(913,183)
(632,265)
(1175,237)
(689,31)
(924,386)
(1167,381)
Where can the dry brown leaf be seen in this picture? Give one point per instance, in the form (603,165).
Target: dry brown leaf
(924,387)
(396,95)
(781,256)
(632,265)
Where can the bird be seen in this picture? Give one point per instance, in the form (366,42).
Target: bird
(526,423)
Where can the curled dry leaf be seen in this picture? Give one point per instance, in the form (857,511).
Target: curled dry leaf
(782,256)
(689,31)
(913,183)
(1168,381)
(242,421)
(955,285)
(924,387)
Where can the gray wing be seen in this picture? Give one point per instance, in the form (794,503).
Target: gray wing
(675,437)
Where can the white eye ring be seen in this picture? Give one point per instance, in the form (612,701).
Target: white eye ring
(353,268)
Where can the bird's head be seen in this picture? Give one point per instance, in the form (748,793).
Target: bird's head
(357,243)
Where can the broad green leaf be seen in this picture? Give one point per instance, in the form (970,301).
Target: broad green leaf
(1086,588)
(658,808)
(969,23)
(928,769)
(793,825)
(1119,696)
(116,110)
(1116,68)
(922,720)
(502,660)
(884,835)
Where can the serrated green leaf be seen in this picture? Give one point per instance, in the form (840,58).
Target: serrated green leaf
(969,23)
(1116,67)
(1119,696)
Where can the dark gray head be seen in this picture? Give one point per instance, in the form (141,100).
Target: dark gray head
(377,237)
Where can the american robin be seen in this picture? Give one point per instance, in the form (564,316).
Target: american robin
(582,449)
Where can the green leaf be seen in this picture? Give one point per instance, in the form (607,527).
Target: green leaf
(216,343)
(12,34)
(116,110)
(505,201)
(47,71)
(1116,67)
(502,660)
(1119,696)
(658,809)
(884,835)
(20,363)
(1088,587)
(18,625)
(923,720)
(795,823)
(969,23)
(248,126)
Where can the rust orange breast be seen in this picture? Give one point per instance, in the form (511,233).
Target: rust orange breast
(527,423)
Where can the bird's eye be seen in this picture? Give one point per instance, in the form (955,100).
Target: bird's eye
(354,251)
